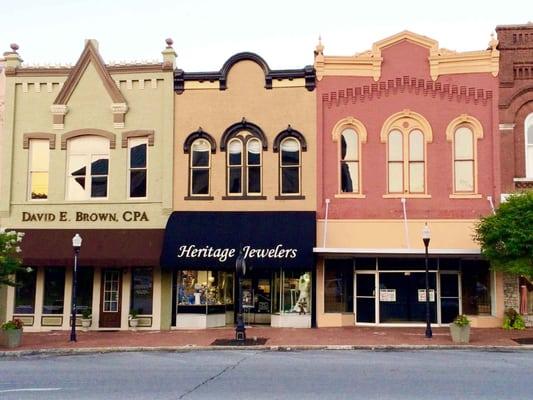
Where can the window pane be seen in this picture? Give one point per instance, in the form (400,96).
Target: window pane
(39,185)
(338,286)
(138,156)
(395,177)
(200,153)
(416,146)
(349,145)
(99,186)
(475,284)
(464,176)
(84,292)
(290,180)
(54,290)
(234,180)
(137,183)
(464,145)
(290,152)
(76,188)
(254,152)
(416,177)
(99,165)
(395,146)
(349,177)
(529,161)
(200,181)
(235,152)
(530,131)
(25,292)
(142,290)
(77,165)
(254,180)
(40,154)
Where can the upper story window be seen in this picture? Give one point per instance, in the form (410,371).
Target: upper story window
(235,167)
(290,167)
(200,165)
(244,172)
(39,160)
(349,161)
(528,129)
(137,167)
(253,166)
(88,167)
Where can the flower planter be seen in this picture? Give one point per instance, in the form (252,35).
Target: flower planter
(85,324)
(134,322)
(460,334)
(12,337)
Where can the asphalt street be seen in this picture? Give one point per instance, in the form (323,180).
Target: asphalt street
(433,374)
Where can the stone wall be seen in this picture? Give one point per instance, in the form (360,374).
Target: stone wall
(511,294)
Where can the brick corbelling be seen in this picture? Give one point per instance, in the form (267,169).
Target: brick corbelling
(410,84)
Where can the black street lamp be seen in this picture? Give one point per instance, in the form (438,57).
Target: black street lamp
(426,236)
(240,270)
(76,245)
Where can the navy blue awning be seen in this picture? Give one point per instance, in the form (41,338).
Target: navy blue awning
(212,240)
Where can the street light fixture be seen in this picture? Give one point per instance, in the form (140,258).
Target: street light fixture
(426,236)
(76,245)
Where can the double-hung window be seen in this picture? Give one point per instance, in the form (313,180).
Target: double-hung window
(200,165)
(137,163)
(244,172)
(529,145)
(349,161)
(39,161)
(406,162)
(290,167)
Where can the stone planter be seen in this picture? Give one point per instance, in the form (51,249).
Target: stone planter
(12,338)
(460,334)
(134,322)
(85,324)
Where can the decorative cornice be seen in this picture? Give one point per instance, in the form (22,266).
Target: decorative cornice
(441,61)
(286,133)
(135,134)
(51,137)
(221,76)
(119,111)
(58,115)
(87,132)
(415,85)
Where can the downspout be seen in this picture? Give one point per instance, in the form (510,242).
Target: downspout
(489,198)
(405,227)
(326,224)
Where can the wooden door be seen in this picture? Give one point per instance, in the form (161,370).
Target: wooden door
(110,298)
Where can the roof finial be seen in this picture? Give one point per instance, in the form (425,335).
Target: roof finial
(169,42)
(14,47)
(319,49)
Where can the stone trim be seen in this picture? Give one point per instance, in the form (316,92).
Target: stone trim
(135,134)
(58,115)
(199,134)
(51,137)
(349,122)
(393,121)
(88,132)
(244,125)
(289,132)
(464,119)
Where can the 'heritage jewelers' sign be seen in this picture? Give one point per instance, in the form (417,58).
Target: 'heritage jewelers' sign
(79,216)
(223,254)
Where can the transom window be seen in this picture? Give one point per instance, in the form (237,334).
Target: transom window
(39,161)
(290,167)
(88,167)
(244,172)
(137,150)
(406,161)
(200,165)
(349,161)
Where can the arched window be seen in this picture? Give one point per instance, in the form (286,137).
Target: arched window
(235,167)
(463,160)
(253,166)
(406,161)
(349,161)
(88,167)
(200,166)
(244,172)
(528,129)
(290,163)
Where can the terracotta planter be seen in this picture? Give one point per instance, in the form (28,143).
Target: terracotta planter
(85,324)
(134,322)
(12,337)
(460,334)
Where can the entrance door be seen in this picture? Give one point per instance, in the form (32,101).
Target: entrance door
(365,297)
(110,299)
(256,295)
(450,304)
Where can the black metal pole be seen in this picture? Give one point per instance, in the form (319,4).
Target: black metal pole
(74,287)
(429,333)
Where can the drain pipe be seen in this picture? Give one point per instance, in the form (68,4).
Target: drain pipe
(326,224)
(489,198)
(405,227)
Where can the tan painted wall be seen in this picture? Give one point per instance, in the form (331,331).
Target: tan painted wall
(272,110)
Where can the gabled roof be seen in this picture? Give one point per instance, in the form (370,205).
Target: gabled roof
(89,55)
(405,35)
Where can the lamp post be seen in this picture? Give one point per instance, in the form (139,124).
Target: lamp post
(426,236)
(240,270)
(76,245)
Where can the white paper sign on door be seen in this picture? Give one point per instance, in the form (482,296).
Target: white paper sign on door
(387,295)
(422,295)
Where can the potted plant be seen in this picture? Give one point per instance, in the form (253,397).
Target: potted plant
(134,321)
(86,319)
(12,332)
(460,329)
(513,320)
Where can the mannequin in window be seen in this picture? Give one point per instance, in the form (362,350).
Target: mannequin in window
(302,305)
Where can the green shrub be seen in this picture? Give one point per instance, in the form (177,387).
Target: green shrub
(513,320)
(461,320)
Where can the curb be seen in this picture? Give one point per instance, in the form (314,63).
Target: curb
(281,348)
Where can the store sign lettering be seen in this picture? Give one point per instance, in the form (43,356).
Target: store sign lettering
(79,216)
(223,254)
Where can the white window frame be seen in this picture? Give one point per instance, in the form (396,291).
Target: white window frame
(230,166)
(281,166)
(31,170)
(193,168)
(528,147)
(348,161)
(474,160)
(406,161)
(248,166)
(131,143)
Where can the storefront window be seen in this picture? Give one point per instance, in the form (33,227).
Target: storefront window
(292,292)
(25,291)
(476,288)
(54,290)
(84,291)
(142,290)
(204,291)
(338,286)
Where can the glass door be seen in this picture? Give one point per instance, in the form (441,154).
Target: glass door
(365,297)
(450,302)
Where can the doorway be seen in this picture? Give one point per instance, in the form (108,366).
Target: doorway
(110,298)
(257,299)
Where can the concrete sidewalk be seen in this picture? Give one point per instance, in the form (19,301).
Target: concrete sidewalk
(330,338)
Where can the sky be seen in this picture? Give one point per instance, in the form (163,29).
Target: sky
(207,32)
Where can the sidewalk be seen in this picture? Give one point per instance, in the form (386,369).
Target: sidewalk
(349,337)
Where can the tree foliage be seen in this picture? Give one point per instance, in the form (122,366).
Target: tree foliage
(506,238)
(10,255)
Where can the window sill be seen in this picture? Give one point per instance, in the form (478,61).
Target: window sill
(244,197)
(350,196)
(526,179)
(407,196)
(466,196)
(288,197)
(198,198)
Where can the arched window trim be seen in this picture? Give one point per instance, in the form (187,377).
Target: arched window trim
(88,132)
(199,134)
(238,127)
(281,166)
(468,121)
(289,133)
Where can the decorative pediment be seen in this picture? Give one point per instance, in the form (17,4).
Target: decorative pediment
(90,55)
